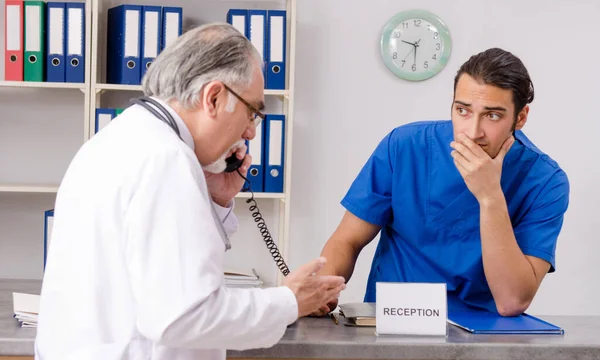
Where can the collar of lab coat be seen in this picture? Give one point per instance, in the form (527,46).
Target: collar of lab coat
(185,133)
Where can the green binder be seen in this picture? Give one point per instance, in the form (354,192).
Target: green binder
(33,29)
(118,111)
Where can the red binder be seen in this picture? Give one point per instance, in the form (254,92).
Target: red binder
(13,40)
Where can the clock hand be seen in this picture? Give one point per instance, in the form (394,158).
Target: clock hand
(416,46)
(413,49)
(415,58)
(408,42)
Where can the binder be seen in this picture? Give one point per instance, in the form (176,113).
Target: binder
(55,41)
(151,36)
(123,51)
(257,28)
(256,174)
(13,40)
(485,322)
(103,118)
(118,111)
(238,18)
(172,25)
(75,33)
(48,226)
(276,54)
(34,29)
(274,152)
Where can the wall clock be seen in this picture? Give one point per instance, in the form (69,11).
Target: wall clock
(415,45)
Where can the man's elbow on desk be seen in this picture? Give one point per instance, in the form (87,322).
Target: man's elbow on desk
(513,304)
(512,308)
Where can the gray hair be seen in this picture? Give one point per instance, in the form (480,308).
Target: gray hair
(201,55)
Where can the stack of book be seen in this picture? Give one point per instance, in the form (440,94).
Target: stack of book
(237,279)
(26,309)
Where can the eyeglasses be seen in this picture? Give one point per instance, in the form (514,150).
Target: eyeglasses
(258,116)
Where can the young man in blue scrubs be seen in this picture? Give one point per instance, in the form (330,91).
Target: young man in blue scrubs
(470,202)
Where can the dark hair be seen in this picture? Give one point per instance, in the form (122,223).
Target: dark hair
(500,68)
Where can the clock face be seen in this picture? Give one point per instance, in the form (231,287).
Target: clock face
(415,45)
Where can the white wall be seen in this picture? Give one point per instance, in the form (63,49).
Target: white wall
(347,101)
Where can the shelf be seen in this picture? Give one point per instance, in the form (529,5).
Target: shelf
(119,87)
(284,93)
(258,195)
(46,85)
(28,188)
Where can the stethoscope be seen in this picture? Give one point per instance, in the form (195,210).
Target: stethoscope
(164,115)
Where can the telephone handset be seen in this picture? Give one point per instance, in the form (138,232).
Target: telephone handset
(233,164)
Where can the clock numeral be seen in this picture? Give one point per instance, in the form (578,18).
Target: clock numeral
(414,67)
(403,62)
(434,57)
(436,35)
(405,25)
(396,34)
(438,46)
(426,65)
(417,23)
(395,55)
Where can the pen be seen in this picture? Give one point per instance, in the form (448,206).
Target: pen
(335,320)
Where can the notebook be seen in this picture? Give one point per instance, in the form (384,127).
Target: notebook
(485,322)
(358,314)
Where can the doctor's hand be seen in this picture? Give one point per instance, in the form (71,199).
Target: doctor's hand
(325,309)
(313,291)
(480,172)
(224,186)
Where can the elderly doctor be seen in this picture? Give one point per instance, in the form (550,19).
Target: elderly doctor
(143,215)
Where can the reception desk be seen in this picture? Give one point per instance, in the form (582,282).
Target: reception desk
(321,338)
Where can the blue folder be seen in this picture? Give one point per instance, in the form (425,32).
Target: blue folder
(485,322)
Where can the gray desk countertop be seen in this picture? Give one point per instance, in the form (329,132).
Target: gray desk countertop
(321,338)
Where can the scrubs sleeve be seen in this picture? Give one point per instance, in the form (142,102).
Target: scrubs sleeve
(537,232)
(370,195)
(174,255)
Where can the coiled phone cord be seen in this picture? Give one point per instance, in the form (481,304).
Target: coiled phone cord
(262,227)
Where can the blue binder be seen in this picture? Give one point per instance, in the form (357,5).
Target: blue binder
(257,33)
(55,41)
(75,31)
(151,36)
(276,49)
(485,322)
(123,50)
(103,118)
(238,18)
(48,223)
(256,147)
(274,152)
(172,20)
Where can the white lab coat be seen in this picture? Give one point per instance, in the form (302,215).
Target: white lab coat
(134,269)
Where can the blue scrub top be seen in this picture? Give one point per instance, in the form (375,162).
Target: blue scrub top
(411,188)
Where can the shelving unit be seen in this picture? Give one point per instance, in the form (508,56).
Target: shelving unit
(42,85)
(97,93)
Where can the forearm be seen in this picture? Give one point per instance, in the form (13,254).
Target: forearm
(236,319)
(510,275)
(341,257)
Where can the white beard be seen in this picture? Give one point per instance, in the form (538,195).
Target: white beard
(220,164)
